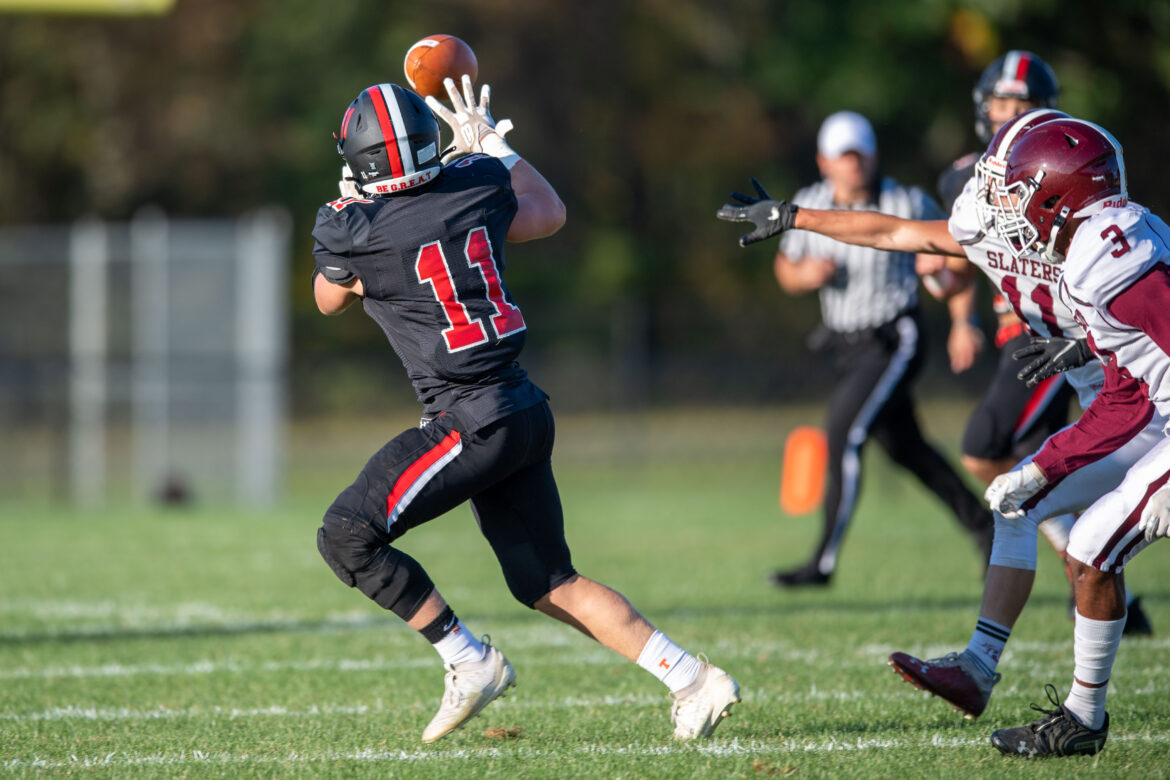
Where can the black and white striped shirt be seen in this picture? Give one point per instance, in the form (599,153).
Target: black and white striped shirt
(871,286)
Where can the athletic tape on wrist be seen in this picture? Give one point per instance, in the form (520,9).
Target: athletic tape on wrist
(497,147)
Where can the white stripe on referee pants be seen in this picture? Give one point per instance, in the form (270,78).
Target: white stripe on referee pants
(859,431)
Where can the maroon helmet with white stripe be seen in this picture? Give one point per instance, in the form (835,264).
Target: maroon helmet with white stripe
(390,140)
(1058,173)
(990,167)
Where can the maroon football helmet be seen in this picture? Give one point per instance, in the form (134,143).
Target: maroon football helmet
(990,167)
(1057,172)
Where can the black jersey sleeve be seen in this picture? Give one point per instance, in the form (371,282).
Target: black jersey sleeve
(341,232)
(954,178)
(483,167)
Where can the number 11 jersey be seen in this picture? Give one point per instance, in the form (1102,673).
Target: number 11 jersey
(1028,283)
(431,262)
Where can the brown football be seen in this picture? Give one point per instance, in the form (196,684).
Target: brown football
(435,58)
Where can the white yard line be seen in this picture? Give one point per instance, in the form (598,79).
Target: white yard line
(730,748)
(778,652)
(87,712)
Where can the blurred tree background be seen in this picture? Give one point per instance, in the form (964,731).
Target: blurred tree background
(643,114)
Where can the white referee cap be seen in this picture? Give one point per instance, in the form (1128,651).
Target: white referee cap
(846,131)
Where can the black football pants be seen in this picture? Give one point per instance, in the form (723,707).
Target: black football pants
(872,399)
(504,470)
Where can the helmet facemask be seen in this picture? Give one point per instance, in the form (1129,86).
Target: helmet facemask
(1009,206)
(992,165)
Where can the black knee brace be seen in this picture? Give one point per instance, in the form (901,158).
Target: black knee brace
(389,577)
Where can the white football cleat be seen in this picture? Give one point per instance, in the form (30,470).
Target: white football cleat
(469,687)
(700,706)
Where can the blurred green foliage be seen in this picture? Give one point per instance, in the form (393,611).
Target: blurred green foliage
(643,114)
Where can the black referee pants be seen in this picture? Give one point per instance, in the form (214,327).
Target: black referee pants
(872,398)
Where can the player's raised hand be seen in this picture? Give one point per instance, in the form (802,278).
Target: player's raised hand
(771,217)
(472,123)
(1008,492)
(1051,356)
(1155,520)
(347,184)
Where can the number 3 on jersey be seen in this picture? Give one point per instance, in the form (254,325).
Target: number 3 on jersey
(464,332)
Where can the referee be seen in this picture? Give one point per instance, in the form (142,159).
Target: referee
(871,331)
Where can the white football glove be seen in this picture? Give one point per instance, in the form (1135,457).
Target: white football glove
(1155,520)
(1009,491)
(347,184)
(473,126)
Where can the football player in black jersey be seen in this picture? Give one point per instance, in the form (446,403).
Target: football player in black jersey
(418,237)
(1012,420)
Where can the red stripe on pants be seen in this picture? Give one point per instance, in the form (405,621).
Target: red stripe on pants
(417,469)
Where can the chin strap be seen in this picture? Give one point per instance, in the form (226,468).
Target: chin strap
(1049,252)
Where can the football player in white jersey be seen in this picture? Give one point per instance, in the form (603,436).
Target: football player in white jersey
(1064,196)
(965,679)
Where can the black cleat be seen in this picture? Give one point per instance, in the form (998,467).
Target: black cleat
(802,576)
(1136,622)
(1058,733)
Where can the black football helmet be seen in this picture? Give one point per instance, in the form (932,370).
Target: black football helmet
(390,140)
(1017,74)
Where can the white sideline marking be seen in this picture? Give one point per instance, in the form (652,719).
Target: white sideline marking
(101,714)
(83,712)
(559,638)
(722,749)
(203,667)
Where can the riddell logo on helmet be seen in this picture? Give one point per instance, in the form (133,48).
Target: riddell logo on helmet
(395,186)
(1114,203)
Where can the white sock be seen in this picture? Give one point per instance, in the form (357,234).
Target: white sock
(1095,645)
(459,646)
(987,643)
(675,667)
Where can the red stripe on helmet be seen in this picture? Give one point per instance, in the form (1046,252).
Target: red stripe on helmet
(345,121)
(1022,67)
(388,133)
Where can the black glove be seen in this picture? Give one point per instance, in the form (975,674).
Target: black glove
(1051,357)
(771,217)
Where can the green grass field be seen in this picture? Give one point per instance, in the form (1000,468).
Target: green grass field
(209,642)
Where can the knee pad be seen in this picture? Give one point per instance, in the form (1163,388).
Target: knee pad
(1014,544)
(387,576)
(343,574)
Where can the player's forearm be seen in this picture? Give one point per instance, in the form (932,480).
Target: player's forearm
(1118,413)
(879,231)
(961,306)
(540,211)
